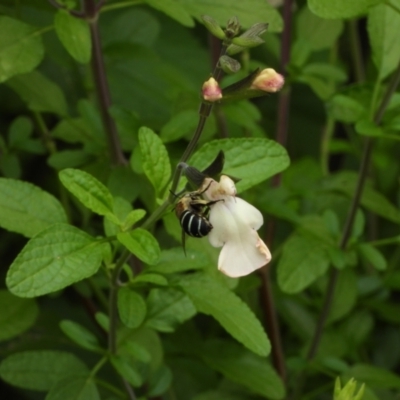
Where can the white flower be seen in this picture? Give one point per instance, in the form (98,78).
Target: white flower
(235,223)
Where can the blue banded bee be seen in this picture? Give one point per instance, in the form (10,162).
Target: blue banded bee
(192,212)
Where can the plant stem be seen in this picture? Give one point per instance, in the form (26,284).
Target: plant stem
(356,54)
(101,85)
(265,295)
(385,242)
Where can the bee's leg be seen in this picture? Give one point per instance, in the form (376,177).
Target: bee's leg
(210,203)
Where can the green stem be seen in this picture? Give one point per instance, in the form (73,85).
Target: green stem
(97,367)
(325,142)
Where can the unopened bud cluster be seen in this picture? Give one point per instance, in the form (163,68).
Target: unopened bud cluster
(266,80)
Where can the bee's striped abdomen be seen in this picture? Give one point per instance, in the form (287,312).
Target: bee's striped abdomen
(194,224)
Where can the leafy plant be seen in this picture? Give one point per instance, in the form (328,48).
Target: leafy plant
(102,136)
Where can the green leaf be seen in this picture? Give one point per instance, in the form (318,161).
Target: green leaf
(345,108)
(19,132)
(168,308)
(346,181)
(251,160)
(155,159)
(340,8)
(74,34)
(320,33)
(155,279)
(27,209)
(174,10)
(159,381)
(53,259)
(69,159)
(89,191)
(345,295)
(74,388)
(383,24)
(372,256)
(40,93)
(39,370)
(135,350)
(373,376)
(368,128)
(174,260)
(21,48)
(142,244)
(131,307)
(133,217)
(245,368)
(212,298)
(17,315)
(303,261)
(126,370)
(179,125)
(80,335)
(248,13)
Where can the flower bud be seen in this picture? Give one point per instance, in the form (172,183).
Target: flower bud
(211,90)
(212,25)
(268,80)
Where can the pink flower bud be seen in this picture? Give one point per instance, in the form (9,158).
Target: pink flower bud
(268,80)
(211,90)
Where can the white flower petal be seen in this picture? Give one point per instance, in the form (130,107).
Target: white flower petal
(242,258)
(247,213)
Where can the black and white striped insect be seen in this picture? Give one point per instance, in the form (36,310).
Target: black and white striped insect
(192,211)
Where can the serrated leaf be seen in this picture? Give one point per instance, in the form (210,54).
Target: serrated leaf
(167,309)
(131,307)
(39,370)
(251,160)
(248,13)
(21,48)
(212,298)
(372,256)
(383,25)
(74,34)
(27,209)
(174,10)
(142,244)
(40,93)
(340,8)
(303,260)
(53,259)
(17,315)
(245,368)
(126,370)
(89,191)
(155,159)
(74,388)
(80,335)
(174,260)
